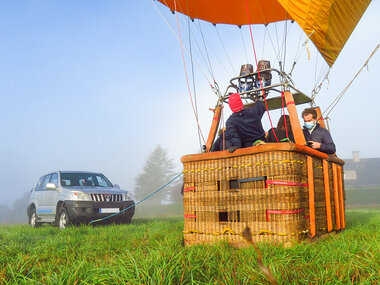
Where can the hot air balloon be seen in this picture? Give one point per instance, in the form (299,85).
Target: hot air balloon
(284,192)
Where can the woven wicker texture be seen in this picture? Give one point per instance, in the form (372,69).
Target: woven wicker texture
(266,191)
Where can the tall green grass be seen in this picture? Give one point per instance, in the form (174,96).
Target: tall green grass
(151,251)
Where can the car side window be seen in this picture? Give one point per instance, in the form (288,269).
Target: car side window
(46,181)
(39,183)
(101,181)
(54,179)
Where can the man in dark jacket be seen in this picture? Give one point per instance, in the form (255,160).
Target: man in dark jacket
(221,143)
(243,127)
(316,137)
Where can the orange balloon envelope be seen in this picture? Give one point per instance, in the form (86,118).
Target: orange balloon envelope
(328,23)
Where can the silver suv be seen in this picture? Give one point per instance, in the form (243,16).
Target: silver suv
(66,197)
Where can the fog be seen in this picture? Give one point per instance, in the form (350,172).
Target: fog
(95,86)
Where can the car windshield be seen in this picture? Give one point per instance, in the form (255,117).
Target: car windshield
(84,179)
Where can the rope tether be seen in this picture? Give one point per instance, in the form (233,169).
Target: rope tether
(139,202)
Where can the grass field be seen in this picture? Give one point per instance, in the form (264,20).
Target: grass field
(150,251)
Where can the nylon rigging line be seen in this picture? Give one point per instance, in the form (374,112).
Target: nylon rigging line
(201,53)
(282,51)
(228,57)
(278,47)
(298,53)
(339,97)
(262,51)
(242,39)
(176,36)
(283,111)
(205,47)
(285,38)
(193,77)
(258,72)
(215,53)
(208,64)
(187,79)
(139,202)
(274,48)
(315,70)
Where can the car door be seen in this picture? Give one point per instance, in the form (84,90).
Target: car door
(43,211)
(38,194)
(50,197)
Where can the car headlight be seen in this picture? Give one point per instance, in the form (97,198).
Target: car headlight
(81,196)
(127,196)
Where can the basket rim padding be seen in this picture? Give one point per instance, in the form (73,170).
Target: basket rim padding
(261,149)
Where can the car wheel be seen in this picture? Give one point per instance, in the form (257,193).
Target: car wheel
(63,218)
(33,219)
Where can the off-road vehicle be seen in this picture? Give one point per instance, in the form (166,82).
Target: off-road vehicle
(66,197)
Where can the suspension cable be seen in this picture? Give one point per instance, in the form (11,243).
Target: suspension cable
(216,55)
(187,79)
(242,39)
(215,88)
(274,48)
(285,38)
(205,47)
(228,57)
(283,111)
(176,36)
(194,89)
(339,97)
(262,51)
(315,70)
(258,72)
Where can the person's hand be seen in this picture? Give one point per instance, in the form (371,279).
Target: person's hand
(315,145)
(232,149)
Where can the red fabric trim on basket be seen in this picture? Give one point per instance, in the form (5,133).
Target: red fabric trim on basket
(290,102)
(190,216)
(287,183)
(283,212)
(189,189)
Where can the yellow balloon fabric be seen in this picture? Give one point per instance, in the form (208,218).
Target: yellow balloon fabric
(329,23)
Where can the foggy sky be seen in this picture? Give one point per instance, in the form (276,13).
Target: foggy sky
(96,85)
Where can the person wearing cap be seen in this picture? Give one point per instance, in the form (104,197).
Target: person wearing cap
(243,127)
(316,137)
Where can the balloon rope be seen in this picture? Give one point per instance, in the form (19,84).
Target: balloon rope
(194,88)
(337,99)
(187,79)
(258,72)
(283,111)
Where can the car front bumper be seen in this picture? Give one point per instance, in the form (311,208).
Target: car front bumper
(89,210)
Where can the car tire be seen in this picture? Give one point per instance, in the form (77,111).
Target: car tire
(63,219)
(33,219)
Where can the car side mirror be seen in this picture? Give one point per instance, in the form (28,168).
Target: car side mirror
(51,186)
(117,186)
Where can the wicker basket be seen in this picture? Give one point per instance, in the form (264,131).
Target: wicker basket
(284,192)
